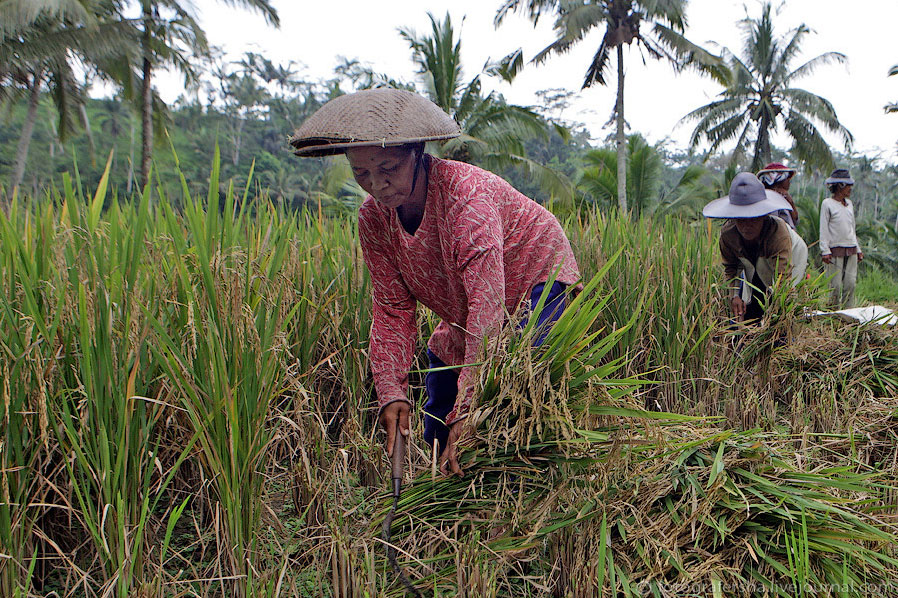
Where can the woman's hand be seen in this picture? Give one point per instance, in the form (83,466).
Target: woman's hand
(450,454)
(828,258)
(860,256)
(738,306)
(393,416)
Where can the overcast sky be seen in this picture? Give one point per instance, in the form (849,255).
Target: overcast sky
(315,33)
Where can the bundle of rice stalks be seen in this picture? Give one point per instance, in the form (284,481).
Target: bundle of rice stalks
(573,490)
(842,366)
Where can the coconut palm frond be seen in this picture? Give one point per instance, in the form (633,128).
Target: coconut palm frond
(469,101)
(718,126)
(463,144)
(820,109)
(438,57)
(813,64)
(784,52)
(599,178)
(807,143)
(508,67)
(552,182)
(644,167)
(534,9)
(688,194)
(559,46)
(262,7)
(17,16)
(597,66)
(690,55)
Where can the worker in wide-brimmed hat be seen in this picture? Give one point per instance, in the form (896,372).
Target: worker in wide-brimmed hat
(838,239)
(451,236)
(778,177)
(755,246)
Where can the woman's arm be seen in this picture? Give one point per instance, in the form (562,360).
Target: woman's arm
(393,329)
(478,253)
(824,230)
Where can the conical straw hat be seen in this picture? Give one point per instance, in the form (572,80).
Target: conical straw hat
(374,117)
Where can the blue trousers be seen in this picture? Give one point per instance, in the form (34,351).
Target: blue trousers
(442,386)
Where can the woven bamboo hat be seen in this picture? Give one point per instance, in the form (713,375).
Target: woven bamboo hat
(374,117)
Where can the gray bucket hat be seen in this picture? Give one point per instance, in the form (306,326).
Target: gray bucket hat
(839,175)
(747,199)
(374,117)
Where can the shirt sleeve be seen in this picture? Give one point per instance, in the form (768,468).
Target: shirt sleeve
(824,229)
(731,265)
(478,250)
(393,329)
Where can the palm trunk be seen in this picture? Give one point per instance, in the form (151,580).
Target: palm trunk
(621,139)
(762,147)
(27,130)
(146,151)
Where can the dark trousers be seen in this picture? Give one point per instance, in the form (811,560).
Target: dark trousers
(754,311)
(442,386)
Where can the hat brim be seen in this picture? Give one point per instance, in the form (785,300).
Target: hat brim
(332,147)
(791,171)
(722,208)
(833,181)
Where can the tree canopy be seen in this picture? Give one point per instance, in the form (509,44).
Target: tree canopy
(762,97)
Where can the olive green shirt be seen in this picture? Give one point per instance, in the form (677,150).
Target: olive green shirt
(771,258)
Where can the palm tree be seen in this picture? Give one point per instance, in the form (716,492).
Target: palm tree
(646,189)
(893,106)
(39,42)
(493,131)
(622,20)
(761,96)
(599,179)
(166,24)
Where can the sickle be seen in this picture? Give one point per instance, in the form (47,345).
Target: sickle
(396,479)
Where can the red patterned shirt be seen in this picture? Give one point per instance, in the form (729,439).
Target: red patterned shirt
(480,249)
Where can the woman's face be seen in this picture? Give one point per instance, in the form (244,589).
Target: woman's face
(843,192)
(750,228)
(784,185)
(384,172)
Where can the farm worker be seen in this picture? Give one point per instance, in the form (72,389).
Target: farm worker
(838,239)
(778,177)
(451,236)
(756,246)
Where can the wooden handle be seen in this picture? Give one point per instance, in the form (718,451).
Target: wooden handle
(398,455)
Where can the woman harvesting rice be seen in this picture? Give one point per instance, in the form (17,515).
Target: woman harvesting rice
(756,247)
(456,238)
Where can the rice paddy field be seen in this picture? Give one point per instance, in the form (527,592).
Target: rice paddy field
(187,411)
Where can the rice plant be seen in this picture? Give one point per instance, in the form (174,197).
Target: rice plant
(187,411)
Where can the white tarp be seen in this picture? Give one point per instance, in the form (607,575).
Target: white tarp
(863,315)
